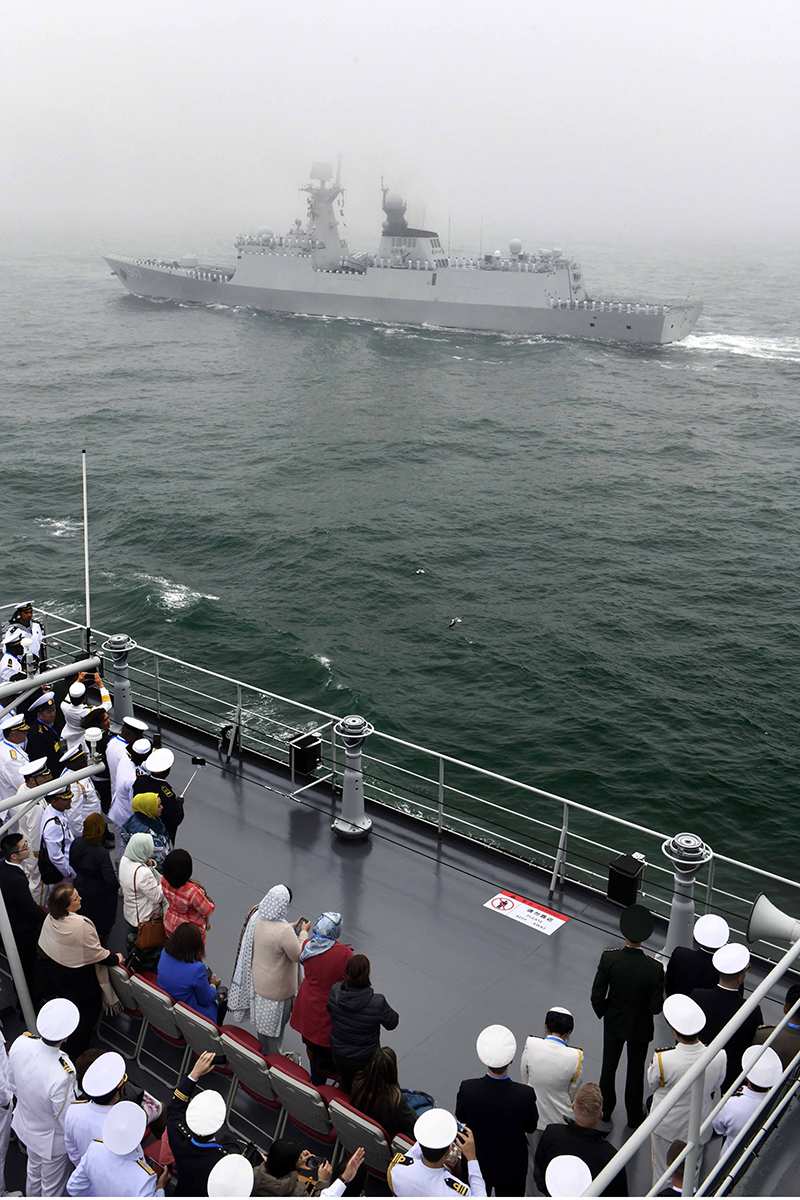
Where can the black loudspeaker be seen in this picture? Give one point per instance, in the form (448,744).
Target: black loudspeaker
(624,879)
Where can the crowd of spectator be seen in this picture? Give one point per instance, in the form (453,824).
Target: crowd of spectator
(62,871)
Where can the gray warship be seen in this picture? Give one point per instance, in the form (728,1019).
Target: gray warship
(410,280)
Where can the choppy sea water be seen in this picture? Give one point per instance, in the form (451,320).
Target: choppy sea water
(617,527)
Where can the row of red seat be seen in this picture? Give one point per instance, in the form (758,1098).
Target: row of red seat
(274,1081)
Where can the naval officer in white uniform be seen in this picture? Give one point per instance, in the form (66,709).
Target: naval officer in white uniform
(131,729)
(129,769)
(116,1166)
(667,1066)
(422,1172)
(34,774)
(75,709)
(553,1068)
(102,1086)
(22,621)
(762,1072)
(56,832)
(43,1080)
(13,756)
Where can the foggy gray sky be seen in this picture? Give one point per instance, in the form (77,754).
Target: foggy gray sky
(590,118)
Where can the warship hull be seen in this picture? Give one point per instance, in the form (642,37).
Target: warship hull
(498,302)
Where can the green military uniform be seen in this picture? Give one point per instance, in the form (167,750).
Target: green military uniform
(628,990)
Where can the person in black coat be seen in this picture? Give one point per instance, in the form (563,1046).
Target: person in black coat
(94,876)
(157,768)
(689,969)
(24,913)
(628,990)
(582,1138)
(722,1002)
(500,1113)
(357,1014)
(196,1146)
(44,740)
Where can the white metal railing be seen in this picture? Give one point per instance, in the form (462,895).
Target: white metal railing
(568,839)
(694,1079)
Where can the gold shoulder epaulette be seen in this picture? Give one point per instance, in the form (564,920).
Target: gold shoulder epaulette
(457,1185)
(608,949)
(97,1139)
(82,1101)
(145,1166)
(401,1160)
(180,1096)
(662,1049)
(66,1066)
(32,1035)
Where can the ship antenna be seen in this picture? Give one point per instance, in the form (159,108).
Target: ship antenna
(448,233)
(86,555)
(480,243)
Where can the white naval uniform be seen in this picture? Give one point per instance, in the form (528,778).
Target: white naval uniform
(116,749)
(74,714)
(553,1069)
(121,805)
(10,666)
(85,801)
(736,1113)
(43,1080)
(83,1123)
(103,1173)
(12,759)
(34,631)
(57,835)
(30,826)
(666,1068)
(408,1176)
(6,1112)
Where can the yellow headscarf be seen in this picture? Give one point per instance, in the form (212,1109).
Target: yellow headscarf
(146,803)
(93,829)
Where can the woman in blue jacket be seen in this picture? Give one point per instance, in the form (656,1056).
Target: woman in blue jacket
(183,975)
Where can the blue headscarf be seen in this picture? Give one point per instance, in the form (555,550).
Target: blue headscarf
(326,933)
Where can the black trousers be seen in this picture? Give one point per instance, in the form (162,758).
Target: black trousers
(634,1080)
(506,1185)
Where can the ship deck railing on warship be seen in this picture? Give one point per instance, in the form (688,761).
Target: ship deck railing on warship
(567,839)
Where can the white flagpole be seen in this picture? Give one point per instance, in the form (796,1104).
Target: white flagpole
(86,551)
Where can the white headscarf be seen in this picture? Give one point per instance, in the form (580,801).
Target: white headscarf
(274,906)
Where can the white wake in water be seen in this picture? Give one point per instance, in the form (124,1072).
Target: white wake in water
(174,596)
(60,527)
(785,349)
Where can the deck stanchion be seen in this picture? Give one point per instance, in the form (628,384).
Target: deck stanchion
(695,1117)
(158,688)
(710,884)
(119,647)
(352,824)
(441,794)
(559,865)
(688,853)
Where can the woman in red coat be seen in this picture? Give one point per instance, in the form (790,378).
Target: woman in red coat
(324,959)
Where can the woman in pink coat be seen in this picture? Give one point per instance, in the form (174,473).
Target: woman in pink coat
(324,959)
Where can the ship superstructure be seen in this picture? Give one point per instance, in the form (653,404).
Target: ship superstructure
(410,279)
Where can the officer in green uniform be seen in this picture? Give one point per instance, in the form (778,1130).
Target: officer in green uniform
(628,990)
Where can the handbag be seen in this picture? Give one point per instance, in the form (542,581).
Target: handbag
(48,871)
(151,934)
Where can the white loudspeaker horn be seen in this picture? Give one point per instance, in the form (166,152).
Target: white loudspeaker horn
(768,922)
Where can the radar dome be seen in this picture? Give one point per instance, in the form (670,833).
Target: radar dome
(265,231)
(393,202)
(515,246)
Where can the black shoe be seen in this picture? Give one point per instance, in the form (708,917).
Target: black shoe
(638,1121)
(109,841)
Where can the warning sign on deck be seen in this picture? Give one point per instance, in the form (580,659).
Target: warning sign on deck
(529,913)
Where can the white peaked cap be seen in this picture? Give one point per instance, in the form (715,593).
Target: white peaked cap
(45,698)
(205,1113)
(231,1176)
(12,721)
(123,1128)
(731,959)
(135,723)
(141,746)
(160,760)
(104,1075)
(37,767)
(77,691)
(13,634)
(496,1046)
(558,1008)
(684,1015)
(68,754)
(57,1019)
(766,1071)
(567,1175)
(436,1129)
(711,931)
